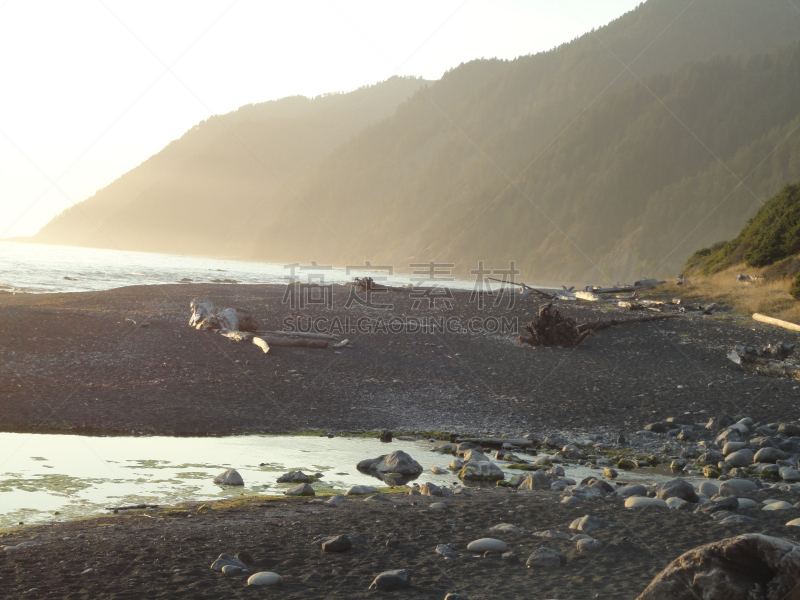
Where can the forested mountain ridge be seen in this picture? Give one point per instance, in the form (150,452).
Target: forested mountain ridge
(588,163)
(210,189)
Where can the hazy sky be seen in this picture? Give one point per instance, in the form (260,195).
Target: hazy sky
(91,89)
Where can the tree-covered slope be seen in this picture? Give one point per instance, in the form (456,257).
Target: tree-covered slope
(610,157)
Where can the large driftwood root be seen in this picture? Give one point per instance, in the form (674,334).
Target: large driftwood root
(551,328)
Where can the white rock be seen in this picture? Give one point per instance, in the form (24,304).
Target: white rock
(640,502)
(675,502)
(229,477)
(438,506)
(439,471)
(264,578)
(487,545)
(781,505)
(737,487)
(709,489)
(747,503)
(475,455)
(789,474)
(740,458)
(793,523)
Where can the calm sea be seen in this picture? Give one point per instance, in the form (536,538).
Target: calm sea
(38,268)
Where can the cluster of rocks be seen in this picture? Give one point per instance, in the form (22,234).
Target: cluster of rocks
(736,447)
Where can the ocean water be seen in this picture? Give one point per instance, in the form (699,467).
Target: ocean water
(39,268)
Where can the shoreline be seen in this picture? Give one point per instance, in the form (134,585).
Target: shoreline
(167,552)
(75,362)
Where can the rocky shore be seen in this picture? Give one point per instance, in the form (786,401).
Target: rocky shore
(477,543)
(125,361)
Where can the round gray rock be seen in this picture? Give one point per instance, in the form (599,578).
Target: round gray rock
(487,545)
(264,578)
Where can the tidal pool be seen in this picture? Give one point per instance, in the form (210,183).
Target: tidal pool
(45,477)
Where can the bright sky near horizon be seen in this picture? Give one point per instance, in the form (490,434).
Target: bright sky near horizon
(92,88)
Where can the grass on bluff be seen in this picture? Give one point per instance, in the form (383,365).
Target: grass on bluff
(769,296)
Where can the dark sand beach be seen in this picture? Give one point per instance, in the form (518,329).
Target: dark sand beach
(77,362)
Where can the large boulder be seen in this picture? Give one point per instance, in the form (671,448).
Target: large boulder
(396,462)
(392,580)
(589,523)
(229,477)
(719,422)
(678,488)
(769,455)
(640,502)
(745,567)
(295,477)
(729,435)
(536,481)
(545,558)
(789,474)
(738,487)
(487,545)
(740,458)
(586,492)
(480,470)
(340,543)
(302,489)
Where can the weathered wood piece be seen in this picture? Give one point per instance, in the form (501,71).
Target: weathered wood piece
(274,340)
(766,360)
(643,284)
(773,321)
(588,296)
(550,328)
(261,343)
(207,316)
(236,336)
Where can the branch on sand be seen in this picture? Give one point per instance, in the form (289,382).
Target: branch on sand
(551,328)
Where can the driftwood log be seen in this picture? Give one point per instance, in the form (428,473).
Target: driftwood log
(773,321)
(551,328)
(207,316)
(769,360)
(274,340)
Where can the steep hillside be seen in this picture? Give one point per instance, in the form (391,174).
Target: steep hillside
(567,162)
(639,180)
(221,180)
(766,252)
